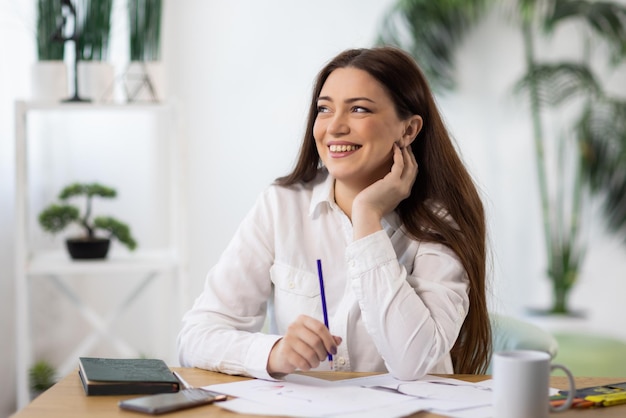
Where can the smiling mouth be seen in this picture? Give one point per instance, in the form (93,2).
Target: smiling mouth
(343,148)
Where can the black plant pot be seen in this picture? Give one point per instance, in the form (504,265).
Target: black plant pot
(88,249)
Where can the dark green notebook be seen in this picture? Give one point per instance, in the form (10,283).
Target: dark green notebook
(107,376)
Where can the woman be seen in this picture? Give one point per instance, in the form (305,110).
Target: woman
(381,197)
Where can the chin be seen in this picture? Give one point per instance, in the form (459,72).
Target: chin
(339,173)
(354,178)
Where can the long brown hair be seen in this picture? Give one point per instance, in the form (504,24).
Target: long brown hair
(442,181)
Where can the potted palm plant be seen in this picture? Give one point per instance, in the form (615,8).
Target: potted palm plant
(57,217)
(49,73)
(93,25)
(144,77)
(583,162)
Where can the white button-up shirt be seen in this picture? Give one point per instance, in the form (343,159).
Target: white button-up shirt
(397,303)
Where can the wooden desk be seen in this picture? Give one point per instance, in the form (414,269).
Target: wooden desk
(67,399)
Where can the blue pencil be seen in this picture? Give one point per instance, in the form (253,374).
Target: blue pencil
(324,310)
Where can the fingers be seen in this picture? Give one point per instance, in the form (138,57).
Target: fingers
(397,168)
(404,169)
(311,339)
(305,345)
(410,164)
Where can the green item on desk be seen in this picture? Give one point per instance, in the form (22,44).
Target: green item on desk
(604,395)
(599,390)
(107,376)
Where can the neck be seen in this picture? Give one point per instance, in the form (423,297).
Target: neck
(344,196)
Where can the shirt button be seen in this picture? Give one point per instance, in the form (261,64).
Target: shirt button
(341,361)
(352,264)
(292,285)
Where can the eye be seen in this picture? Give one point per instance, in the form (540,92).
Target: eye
(322,109)
(360,109)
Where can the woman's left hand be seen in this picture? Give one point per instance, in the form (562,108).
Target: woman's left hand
(381,197)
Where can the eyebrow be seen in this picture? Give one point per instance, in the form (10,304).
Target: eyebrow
(351,100)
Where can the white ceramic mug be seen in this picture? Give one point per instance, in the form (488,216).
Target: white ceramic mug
(522,383)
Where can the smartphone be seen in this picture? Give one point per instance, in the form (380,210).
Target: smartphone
(168,402)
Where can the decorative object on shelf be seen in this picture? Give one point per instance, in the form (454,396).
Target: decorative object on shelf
(49,72)
(42,376)
(61,37)
(586,160)
(143,79)
(93,26)
(57,217)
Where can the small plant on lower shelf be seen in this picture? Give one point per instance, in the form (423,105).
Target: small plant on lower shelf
(57,217)
(42,375)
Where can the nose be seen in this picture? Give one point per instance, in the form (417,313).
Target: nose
(338,125)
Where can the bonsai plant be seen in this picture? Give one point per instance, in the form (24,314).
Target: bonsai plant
(587,159)
(42,376)
(57,217)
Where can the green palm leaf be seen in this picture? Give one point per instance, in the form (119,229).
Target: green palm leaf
(602,135)
(94,27)
(431,31)
(145,29)
(606,19)
(49,13)
(558,83)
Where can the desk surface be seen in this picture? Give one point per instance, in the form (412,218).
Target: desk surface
(67,399)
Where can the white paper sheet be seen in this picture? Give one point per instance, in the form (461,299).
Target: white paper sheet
(371,396)
(443,394)
(244,406)
(308,400)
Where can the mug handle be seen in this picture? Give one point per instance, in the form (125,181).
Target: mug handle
(571,393)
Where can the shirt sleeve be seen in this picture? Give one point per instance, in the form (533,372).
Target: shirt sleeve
(222,331)
(413,319)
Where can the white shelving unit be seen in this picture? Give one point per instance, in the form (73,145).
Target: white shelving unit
(33,264)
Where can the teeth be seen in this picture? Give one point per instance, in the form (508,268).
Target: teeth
(344,148)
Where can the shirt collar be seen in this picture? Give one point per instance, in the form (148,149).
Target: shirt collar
(324,193)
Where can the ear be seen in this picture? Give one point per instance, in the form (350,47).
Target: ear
(413,127)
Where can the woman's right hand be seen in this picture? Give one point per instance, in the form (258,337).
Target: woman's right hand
(382,196)
(306,343)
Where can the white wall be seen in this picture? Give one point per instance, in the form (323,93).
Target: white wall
(242,71)
(14,34)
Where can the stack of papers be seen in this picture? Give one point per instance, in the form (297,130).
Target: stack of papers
(372,396)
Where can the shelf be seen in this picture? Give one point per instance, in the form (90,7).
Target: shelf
(59,263)
(90,106)
(161,164)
